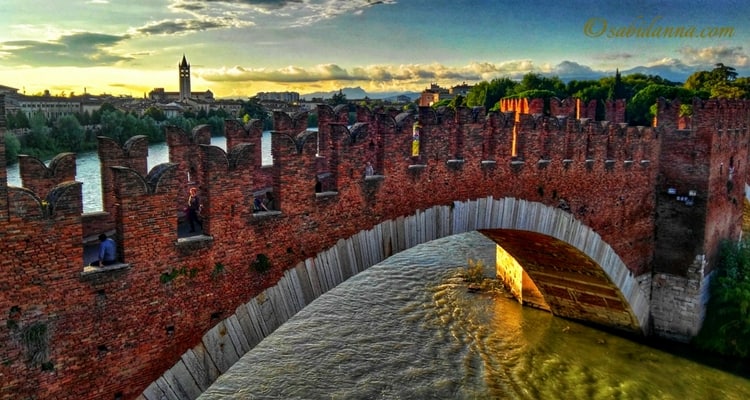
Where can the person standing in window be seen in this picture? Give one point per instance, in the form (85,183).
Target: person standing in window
(193,208)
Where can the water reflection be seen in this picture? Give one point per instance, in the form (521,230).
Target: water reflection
(88,170)
(408,329)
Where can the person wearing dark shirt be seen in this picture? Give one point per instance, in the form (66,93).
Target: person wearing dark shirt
(107,252)
(193,209)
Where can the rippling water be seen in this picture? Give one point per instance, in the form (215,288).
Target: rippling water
(88,170)
(408,328)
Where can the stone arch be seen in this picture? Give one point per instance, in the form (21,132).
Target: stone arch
(605,283)
(231,338)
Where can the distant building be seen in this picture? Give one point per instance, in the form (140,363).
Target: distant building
(172,103)
(435,93)
(52,107)
(462,90)
(184,68)
(279,101)
(233,108)
(310,105)
(162,96)
(288,97)
(432,95)
(185,93)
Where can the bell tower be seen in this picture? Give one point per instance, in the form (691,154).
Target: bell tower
(184,68)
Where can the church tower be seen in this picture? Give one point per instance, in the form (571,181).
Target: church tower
(184,79)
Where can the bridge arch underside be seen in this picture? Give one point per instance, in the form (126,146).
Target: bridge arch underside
(549,273)
(536,235)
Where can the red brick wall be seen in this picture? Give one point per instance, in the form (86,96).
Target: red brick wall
(116,332)
(40,178)
(700,159)
(133,154)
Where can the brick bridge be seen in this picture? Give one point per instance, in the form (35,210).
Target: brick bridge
(594,220)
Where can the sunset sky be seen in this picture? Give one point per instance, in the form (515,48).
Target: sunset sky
(237,48)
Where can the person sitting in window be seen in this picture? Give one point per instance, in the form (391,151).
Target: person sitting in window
(268,201)
(107,252)
(265,204)
(258,205)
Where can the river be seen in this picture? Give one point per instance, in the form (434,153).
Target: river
(88,170)
(408,328)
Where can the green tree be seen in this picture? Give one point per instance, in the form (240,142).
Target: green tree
(84,118)
(727,91)
(641,108)
(410,107)
(724,73)
(312,120)
(68,134)
(149,127)
(534,94)
(698,80)
(119,126)
(593,92)
(617,90)
(221,113)
(634,83)
(254,110)
(337,98)
(487,94)
(532,81)
(12,148)
(457,101)
(21,121)
(156,113)
(744,84)
(202,115)
(498,88)
(217,125)
(181,122)
(96,116)
(721,82)
(37,141)
(477,94)
(574,87)
(441,103)
(727,323)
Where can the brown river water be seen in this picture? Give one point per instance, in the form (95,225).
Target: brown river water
(408,328)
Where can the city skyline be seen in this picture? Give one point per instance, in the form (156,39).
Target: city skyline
(237,48)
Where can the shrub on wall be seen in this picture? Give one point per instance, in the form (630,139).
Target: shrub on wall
(261,264)
(727,323)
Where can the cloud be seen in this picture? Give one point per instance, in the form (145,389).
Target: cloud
(76,49)
(613,56)
(252,4)
(289,13)
(667,62)
(709,56)
(290,74)
(572,69)
(406,74)
(183,26)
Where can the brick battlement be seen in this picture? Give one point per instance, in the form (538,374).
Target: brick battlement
(110,334)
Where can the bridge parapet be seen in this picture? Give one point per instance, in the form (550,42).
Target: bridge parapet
(456,158)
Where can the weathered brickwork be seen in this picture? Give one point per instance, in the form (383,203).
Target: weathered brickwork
(706,168)
(107,335)
(678,303)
